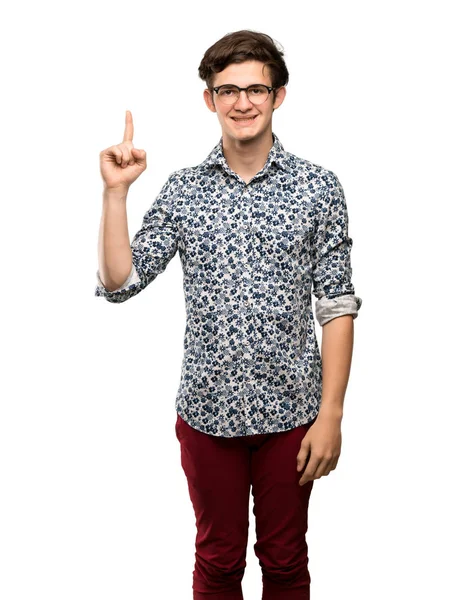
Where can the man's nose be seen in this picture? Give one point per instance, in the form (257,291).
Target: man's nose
(243,102)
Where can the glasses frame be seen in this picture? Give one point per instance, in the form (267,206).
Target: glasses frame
(268,88)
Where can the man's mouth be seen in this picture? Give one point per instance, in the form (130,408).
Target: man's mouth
(244,119)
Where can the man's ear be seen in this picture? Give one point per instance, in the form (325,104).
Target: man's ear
(207,96)
(280,96)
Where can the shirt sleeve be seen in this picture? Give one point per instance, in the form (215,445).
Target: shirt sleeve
(152,247)
(331,260)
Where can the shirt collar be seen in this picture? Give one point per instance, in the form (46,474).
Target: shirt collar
(277,155)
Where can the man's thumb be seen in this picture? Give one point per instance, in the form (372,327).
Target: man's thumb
(138,153)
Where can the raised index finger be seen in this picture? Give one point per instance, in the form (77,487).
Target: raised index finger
(129,128)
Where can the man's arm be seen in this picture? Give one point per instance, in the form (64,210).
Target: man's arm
(336,308)
(114,252)
(150,251)
(337,349)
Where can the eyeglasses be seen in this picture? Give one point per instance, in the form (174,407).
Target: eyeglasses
(229,94)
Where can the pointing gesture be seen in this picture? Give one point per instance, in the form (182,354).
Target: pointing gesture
(129,128)
(122,164)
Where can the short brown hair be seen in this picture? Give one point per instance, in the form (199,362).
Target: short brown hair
(240,46)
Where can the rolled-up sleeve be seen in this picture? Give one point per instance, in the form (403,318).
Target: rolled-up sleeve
(331,256)
(152,247)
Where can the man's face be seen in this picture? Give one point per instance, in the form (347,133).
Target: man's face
(243,75)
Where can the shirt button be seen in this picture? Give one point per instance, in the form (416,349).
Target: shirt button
(247,303)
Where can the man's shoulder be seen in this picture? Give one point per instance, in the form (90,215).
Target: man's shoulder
(308,169)
(184,173)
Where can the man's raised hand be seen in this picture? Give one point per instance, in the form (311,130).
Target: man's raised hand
(121,165)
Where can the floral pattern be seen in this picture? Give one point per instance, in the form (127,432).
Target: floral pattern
(252,254)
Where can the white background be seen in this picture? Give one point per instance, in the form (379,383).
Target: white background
(94,501)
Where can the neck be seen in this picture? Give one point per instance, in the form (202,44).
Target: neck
(247,157)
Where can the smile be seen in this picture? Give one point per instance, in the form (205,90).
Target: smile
(244,120)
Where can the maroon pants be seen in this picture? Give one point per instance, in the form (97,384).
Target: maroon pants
(220,473)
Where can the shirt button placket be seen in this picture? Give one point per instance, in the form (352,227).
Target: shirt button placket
(247,303)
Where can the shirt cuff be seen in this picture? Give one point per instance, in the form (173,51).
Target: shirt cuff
(330,308)
(133,277)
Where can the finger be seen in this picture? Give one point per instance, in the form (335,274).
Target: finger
(132,156)
(323,468)
(334,463)
(125,155)
(310,471)
(330,466)
(301,461)
(139,155)
(302,456)
(117,153)
(129,128)
(305,478)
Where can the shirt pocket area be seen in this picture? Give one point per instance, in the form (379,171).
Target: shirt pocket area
(277,242)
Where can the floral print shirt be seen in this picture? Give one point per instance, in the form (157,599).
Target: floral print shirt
(252,254)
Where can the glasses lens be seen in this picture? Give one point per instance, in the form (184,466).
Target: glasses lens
(257,94)
(228,94)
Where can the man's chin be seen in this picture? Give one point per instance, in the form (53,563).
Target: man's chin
(244,135)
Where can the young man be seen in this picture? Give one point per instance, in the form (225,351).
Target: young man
(257,229)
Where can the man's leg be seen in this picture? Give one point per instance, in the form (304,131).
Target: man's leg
(281,516)
(218,475)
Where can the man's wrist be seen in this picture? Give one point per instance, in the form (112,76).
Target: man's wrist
(116,193)
(330,412)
